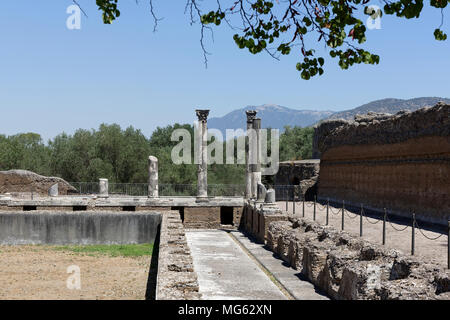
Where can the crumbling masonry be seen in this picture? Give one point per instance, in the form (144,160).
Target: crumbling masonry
(400,162)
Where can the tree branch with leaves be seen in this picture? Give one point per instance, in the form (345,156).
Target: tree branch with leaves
(281,27)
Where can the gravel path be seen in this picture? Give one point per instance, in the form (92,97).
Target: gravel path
(40,272)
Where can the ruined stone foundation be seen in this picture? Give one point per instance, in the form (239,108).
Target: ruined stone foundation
(400,162)
(346,267)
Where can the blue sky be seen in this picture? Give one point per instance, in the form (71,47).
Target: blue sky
(53,79)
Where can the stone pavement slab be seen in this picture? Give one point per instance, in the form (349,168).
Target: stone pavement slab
(288,277)
(225,271)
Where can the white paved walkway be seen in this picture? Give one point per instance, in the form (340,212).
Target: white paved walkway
(225,271)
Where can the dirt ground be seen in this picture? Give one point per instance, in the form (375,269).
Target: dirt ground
(433,250)
(40,272)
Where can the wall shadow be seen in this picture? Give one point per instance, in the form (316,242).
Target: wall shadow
(150,293)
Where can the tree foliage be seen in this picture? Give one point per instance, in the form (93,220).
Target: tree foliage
(121,155)
(26,151)
(282,27)
(296,143)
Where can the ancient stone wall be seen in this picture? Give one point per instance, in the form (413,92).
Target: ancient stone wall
(256,218)
(400,162)
(23,181)
(292,172)
(87,227)
(209,217)
(301,173)
(202,217)
(349,268)
(176,278)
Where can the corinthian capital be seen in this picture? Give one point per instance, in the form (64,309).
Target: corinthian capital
(202,114)
(251,114)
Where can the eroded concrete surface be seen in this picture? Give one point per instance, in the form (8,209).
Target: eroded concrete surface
(225,271)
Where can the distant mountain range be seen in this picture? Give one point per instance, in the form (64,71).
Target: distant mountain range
(276,117)
(272,116)
(388,106)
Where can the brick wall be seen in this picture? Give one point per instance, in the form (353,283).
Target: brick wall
(401,163)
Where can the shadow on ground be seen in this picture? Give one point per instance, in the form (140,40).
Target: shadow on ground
(299,275)
(150,293)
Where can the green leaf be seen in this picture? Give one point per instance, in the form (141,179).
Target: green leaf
(440,35)
(305,75)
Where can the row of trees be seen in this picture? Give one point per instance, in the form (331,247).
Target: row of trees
(121,155)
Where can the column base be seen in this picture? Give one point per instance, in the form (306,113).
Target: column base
(202,199)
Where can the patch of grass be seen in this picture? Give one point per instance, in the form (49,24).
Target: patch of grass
(112,250)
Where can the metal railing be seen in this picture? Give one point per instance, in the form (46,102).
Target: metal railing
(226,190)
(165,190)
(177,190)
(344,213)
(85,188)
(128,189)
(286,192)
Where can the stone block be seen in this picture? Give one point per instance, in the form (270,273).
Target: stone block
(315,255)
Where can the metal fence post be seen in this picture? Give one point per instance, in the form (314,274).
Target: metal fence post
(384,227)
(287,198)
(413,233)
(303,204)
(314,213)
(293,201)
(343,208)
(361,222)
(328,207)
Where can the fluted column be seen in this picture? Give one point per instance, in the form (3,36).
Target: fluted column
(256,174)
(202,185)
(153,177)
(249,153)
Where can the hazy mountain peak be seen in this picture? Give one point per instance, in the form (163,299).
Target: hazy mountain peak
(277,117)
(389,105)
(272,116)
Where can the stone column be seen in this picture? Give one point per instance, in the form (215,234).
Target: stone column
(104,188)
(153,177)
(53,191)
(202,186)
(256,174)
(248,154)
(270,196)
